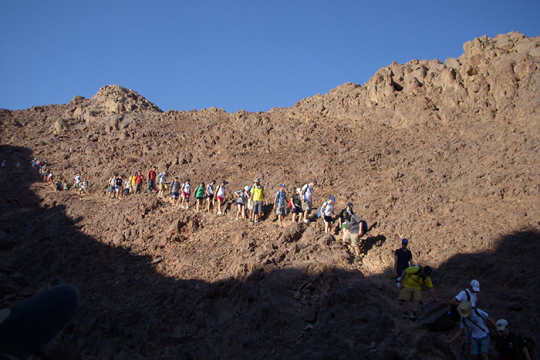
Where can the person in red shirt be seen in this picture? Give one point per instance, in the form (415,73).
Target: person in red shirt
(138,182)
(151,177)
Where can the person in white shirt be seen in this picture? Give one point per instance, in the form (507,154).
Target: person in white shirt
(307,194)
(327,211)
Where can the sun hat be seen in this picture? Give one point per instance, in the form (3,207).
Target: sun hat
(404,241)
(464,309)
(502,324)
(475,285)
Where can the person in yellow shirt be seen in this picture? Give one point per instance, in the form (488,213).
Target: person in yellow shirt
(257,196)
(410,289)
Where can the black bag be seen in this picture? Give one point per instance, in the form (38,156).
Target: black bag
(454,314)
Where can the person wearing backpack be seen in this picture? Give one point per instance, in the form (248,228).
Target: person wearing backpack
(295,204)
(476,321)
(118,187)
(162,183)
(410,289)
(307,194)
(469,294)
(112,186)
(510,345)
(354,229)
(151,177)
(221,195)
(174,190)
(257,195)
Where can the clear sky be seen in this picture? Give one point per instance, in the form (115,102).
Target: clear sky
(251,55)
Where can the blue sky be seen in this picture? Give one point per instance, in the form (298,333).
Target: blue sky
(251,55)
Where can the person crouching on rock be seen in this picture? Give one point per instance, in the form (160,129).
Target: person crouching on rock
(410,289)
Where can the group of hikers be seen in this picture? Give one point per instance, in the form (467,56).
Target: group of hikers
(59,184)
(473,322)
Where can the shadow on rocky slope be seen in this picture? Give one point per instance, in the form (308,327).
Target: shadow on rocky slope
(130,311)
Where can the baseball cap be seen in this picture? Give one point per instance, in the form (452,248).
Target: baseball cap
(404,241)
(502,324)
(282,185)
(257,180)
(333,198)
(314,182)
(475,285)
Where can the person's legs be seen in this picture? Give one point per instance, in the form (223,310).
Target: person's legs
(239,210)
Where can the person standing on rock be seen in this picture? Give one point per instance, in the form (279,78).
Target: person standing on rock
(76,182)
(355,229)
(477,322)
(210,195)
(280,204)
(186,192)
(162,183)
(174,190)
(241,200)
(221,195)
(510,345)
(257,196)
(410,288)
(118,187)
(84,187)
(138,182)
(327,213)
(127,187)
(200,190)
(112,186)
(402,260)
(307,194)
(295,204)
(151,177)
(132,183)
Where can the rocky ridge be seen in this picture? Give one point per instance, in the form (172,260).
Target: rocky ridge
(445,154)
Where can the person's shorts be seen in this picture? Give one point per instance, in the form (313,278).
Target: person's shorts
(126,191)
(296,209)
(240,203)
(219,198)
(199,197)
(162,186)
(480,345)
(76,185)
(306,206)
(327,219)
(257,207)
(117,188)
(111,188)
(209,197)
(174,195)
(352,238)
(410,294)
(185,195)
(281,210)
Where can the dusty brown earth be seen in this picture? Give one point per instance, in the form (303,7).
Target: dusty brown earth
(445,154)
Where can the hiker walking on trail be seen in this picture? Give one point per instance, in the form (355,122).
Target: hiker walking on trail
(410,289)
(221,195)
(174,190)
(327,211)
(354,229)
(241,200)
(162,183)
(342,217)
(127,187)
(84,187)
(477,322)
(295,204)
(77,181)
(186,192)
(199,194)
(112,186)
(138,182)
(402,260)
(511,345)
(257,196)
(469,294)
(307,194)
(132,183)
(210,195)
(280,204)
(151,176)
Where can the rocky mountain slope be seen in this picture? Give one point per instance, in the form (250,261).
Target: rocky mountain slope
(445,154)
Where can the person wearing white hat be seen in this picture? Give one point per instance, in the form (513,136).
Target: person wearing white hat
(510,345)
(477,321)
(469,294)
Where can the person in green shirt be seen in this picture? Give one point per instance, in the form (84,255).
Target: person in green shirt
(200,190)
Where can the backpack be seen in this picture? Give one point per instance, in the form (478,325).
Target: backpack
(475,324)
(363,226)
(453,309)
(319,212)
